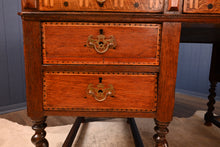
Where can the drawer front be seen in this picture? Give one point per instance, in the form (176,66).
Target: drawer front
(120,92)
(102,5)
(100,43)
(201,6)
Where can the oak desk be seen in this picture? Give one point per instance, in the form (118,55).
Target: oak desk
(108,58)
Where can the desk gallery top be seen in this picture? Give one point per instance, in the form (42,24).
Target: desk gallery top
(150,6)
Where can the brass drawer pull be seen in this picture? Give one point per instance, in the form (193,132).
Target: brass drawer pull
(101,44)
(101,2)
(100,92)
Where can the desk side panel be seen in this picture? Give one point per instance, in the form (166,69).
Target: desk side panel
(168,70)
(33,61)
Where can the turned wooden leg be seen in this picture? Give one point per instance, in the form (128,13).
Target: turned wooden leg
(210,104)
(38,139)
(162,130)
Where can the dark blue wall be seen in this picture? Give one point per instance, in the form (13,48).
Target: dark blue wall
(12,78)
(193,68)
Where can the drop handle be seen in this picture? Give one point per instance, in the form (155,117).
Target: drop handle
(101,2)
(101,43)
(100,92)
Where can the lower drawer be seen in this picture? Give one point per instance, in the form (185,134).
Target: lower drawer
(114,91)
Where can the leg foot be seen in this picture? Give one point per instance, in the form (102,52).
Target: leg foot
(160,137)
(209,114)
(38,139)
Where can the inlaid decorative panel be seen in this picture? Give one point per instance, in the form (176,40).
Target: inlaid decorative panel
(70,91)
(102,5)
(201,6)
(101,43)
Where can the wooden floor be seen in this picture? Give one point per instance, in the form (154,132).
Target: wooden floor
(185,106)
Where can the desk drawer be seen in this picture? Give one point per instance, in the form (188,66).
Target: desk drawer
(102,5)
(201,6)
(121,92)
(100,43)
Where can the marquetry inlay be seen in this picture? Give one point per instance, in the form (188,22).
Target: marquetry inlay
(108,5)
(193,4)
(202,6)
(153,4)
(48,3)
(116,3)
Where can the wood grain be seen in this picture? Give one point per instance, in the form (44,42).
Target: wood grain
(29,4)
(109,5)
(117,17)
(101,68)
(168,70)
(33,60)
(134,92)
(100,114)
(201,6)
(65,43)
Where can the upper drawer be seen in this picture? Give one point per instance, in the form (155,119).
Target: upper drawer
(100,43)
(102,5)
(201,6)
